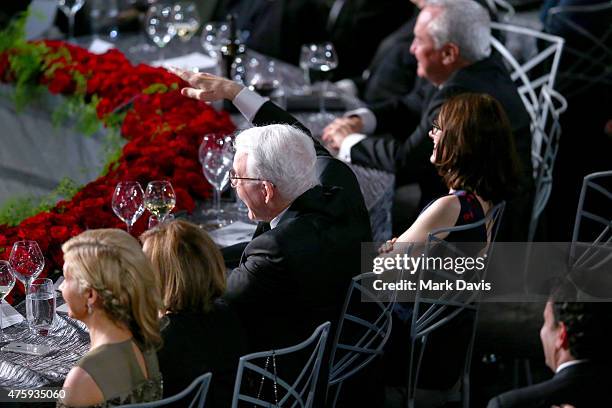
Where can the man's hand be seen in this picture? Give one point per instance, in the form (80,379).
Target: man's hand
(339,129)
(207,87)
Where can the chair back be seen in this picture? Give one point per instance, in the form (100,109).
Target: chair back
(588,47)
(361,334)
(548,130)
(193,396)
(504,10)
(434,312)
(593,223)
(535,79)
(299,392)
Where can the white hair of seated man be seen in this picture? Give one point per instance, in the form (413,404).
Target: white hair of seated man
(281,154)
(465,23)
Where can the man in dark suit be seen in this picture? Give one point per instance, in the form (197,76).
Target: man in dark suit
(576,341)
(294,274)
(452,47)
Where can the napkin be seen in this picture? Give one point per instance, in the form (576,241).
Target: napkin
(10,316)
(99,46)
(189,61)
(232,234)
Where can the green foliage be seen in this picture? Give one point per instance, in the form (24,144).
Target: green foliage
(18,209)
(159,88)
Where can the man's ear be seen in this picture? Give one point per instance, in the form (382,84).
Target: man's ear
(562,338)
(269,191)
(450,53)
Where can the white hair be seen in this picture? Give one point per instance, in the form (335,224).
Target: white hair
(464,23)
(281,154)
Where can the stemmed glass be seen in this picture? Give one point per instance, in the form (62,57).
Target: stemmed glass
(262,77)
(7,281)
(159,199)
(318,61)
(70,8)
(216,157)
(27,262)
(214,36)
(159,26)
(128,202)
(186,20)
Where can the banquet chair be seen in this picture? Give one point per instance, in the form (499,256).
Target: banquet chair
(535,79)
(437,313)
(593,224)
(284,393)
(587,60)
(361,334)
(548,130)
(504,10)
(198,388)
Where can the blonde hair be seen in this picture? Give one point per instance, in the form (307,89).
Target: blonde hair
(190,266)
(111,262)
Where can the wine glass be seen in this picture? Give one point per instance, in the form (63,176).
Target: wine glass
(159,26)
(216,157)
(70,8)
(159,198)
(262,77)
(128,202)
(186,20)
(27,262)
(7,281)
(214,36)
(318,61)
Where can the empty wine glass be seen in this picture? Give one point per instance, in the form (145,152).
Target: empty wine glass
(7,281)
(214,36)
(70,8)
(128,202)
(159,198)
(318,61)
(160,26)
(186,20)
(216,157)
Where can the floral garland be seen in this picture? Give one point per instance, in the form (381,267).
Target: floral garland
(163,130)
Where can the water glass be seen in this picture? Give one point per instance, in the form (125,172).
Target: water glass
(40,306)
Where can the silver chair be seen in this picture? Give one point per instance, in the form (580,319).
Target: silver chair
(535,81)
(587,58)
(593,224)
(433,313)
(293,393)
(198,388)
(368,334)
(547,130)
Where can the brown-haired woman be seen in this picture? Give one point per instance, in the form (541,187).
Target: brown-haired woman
(475,155)
(110,286)
(202,334)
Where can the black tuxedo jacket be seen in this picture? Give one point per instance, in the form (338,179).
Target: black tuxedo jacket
(294,277)
(407,154)
(583,385)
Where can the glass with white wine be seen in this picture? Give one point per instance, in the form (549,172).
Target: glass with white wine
(159,198)
(7,281)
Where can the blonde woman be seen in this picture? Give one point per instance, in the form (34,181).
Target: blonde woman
(110,286)
(200,332)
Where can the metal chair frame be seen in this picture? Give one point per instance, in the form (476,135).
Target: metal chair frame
(304,398)
(605,237)
(430,320)
(592,66)
(202,384)
(368,346)
(544,106)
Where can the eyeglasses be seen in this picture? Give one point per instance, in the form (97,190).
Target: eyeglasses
(436,126)
(234,178)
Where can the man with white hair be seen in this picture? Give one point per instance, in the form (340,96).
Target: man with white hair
(452,46)
(294,274)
